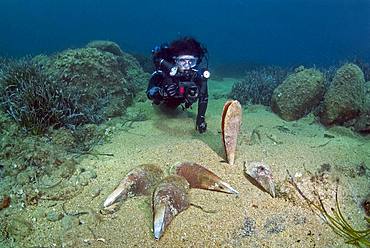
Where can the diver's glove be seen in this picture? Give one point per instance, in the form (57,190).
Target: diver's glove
(155,94)
(170,90)
(201,124)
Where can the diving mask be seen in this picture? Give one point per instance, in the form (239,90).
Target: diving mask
(186,62)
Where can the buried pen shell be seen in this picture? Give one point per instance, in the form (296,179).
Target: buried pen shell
(170,195)
(169,199)
(202,178)
(139,181)
(260,175)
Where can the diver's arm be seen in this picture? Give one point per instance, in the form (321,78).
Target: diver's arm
(153,90)
(202,106)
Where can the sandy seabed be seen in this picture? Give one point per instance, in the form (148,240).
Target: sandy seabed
(252,219)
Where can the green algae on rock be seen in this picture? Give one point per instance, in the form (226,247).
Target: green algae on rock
(345,97)
(298,94)
(74,87)
(106,46)
(97,75)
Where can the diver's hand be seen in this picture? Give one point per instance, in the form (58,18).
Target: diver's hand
(201,125)
(154,92)
(171,90)
(156,95)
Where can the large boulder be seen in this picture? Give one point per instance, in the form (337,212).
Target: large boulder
(367,98)
(345,98)
(362,124)
(106,81)
(298,94)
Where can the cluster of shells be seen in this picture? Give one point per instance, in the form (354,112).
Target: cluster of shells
(169,193)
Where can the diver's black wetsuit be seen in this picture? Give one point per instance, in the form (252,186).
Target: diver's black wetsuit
(189,86)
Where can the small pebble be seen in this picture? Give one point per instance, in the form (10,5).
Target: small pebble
(23,177)
(95,192)
(69,222)
(86,176)
(54,215)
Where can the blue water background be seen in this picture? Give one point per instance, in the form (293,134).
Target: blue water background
(284,32)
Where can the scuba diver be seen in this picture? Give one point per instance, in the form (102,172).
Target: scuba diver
(178,78)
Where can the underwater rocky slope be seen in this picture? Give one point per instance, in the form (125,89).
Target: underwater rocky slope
(53,110)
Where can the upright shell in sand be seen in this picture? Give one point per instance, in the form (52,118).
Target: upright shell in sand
(230,126)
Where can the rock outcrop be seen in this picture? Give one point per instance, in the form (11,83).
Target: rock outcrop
(345,98)
(298,94)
